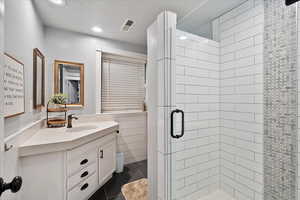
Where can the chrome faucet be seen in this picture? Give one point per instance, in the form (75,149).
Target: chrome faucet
(70,118)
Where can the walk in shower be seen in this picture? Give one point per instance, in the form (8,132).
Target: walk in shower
(237,95)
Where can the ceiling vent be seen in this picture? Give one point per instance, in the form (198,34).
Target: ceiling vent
(127,25)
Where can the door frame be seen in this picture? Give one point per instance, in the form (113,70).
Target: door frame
(1,88)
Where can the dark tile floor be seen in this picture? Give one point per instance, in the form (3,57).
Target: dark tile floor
(112,189)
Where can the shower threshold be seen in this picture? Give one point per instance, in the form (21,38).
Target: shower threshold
(218,195)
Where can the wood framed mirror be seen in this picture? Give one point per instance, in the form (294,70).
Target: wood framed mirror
(69,80)
(38,79)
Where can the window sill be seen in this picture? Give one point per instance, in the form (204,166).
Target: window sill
(125,113)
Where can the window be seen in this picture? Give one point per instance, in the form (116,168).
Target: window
(122,83)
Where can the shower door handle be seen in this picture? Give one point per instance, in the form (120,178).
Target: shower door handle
(172,123)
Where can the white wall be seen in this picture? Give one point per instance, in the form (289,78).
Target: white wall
(241,97)
(151,101)
(76,47)
(298,101)
(197,93)
(1,86)
(23,33)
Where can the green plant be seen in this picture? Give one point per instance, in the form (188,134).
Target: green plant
(59,98)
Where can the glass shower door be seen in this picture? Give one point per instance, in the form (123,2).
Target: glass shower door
(194,141)
(183,128)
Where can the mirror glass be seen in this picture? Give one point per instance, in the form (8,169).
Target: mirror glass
(69,81)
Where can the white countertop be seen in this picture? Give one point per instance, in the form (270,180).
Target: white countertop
(49,140)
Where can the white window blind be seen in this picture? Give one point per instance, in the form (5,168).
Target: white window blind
(122,83)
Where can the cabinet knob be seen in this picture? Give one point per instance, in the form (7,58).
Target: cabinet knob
(84,174)
(84,162)
(14,186)
(84,186)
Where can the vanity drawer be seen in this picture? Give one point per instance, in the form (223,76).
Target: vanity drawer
(81,162)
(81,175)
(74,153)
(84,189)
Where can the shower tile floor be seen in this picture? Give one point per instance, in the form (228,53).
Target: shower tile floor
(218,195)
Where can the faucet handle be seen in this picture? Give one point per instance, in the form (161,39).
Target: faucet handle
(71,116)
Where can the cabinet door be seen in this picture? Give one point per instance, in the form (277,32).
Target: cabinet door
(107,161)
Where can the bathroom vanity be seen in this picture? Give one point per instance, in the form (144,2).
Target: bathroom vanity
(68,164)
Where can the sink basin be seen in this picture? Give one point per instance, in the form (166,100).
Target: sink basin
(81,128)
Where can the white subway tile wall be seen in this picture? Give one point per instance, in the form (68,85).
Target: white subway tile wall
(132,140)
(223,102)
(298,15)
(195,158)
(241,101)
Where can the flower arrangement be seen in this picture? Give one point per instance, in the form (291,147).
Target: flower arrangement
(59,98)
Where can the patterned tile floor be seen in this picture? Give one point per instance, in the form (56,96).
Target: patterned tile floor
(112,189)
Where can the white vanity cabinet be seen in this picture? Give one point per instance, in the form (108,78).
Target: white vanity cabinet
(73,174)
(107,161)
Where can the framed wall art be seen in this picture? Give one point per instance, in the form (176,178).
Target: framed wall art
(38,79)
(14,87)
